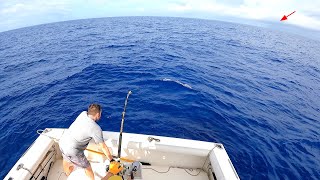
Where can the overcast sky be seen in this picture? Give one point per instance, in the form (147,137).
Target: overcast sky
(21,13)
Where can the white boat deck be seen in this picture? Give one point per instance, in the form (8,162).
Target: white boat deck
(148,172)
(170,158)
(56,171)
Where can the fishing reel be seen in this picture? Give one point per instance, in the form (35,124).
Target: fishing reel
(125,170)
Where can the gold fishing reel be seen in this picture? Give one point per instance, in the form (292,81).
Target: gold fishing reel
(123,170)
(115,167)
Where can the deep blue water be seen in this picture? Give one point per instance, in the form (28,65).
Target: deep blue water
(254,90)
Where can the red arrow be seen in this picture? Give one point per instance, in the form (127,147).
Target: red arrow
(286,17)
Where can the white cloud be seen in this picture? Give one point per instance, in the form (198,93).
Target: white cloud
(17,14)
(13,9)
(304,21)
(271,10)
(35,6)
(179,8)
(141,9)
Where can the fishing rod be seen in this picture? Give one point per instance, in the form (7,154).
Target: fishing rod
(122,121)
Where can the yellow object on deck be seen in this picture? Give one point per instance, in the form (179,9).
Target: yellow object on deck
(115,167)
(115,177)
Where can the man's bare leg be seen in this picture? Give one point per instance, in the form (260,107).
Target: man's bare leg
(109,174)
(89,172)
(67,167)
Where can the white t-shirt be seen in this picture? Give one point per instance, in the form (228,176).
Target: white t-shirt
(76,139)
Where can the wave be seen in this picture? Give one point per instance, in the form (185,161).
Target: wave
(178,82)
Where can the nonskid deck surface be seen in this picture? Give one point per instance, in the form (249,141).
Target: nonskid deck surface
(56,171)
(148,172)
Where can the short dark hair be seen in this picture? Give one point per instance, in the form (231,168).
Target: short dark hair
(93,109)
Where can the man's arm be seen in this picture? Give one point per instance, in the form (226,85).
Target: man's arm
(105,150)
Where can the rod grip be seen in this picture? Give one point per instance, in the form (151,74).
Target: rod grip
(119,147)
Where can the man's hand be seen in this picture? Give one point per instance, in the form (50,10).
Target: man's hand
(110,158)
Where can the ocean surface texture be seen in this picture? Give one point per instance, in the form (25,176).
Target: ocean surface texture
(255,90)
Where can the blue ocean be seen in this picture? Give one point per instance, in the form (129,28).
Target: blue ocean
(255,90)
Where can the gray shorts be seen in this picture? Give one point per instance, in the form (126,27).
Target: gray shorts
(79,160)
